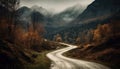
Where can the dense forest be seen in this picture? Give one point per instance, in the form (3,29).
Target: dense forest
(18,42)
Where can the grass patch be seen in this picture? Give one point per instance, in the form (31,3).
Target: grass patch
(41,62)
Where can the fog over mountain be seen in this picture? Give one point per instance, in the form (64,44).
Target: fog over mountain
(69,14)
(51,19)
(42,10)
(55,5)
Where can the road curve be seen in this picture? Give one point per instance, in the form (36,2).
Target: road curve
(61,62)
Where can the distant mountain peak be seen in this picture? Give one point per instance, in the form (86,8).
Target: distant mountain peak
(40,9)
(70,13)
(37,7)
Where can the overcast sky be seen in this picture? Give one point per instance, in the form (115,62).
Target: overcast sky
(57,5)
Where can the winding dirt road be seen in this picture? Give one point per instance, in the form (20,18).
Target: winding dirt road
(61,62)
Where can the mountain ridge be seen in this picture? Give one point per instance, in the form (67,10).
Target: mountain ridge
(98,8)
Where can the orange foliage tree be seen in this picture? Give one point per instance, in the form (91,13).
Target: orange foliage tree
(31,37)
(6,28)
(58,38)
(103,32)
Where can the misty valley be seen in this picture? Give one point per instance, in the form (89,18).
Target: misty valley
(59,34)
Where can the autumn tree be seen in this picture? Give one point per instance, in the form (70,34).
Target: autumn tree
(18,33)
(115,26)
(7,18)
(66,37)
(102,33)
(58,38)
(78,40)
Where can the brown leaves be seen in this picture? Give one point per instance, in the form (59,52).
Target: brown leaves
(102,32)
(58,38)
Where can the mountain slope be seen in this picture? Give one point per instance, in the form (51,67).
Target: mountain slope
(25,16)
(41,10)
(99,9)
(101,20)
(67,15)
(70,13)
(105,49)
(97,13)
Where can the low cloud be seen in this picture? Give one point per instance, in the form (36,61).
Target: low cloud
(58,5)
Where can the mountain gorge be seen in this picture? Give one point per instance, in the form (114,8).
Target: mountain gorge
(52,22)
(97,13)
(96,33)
(55,20)
(27,34)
